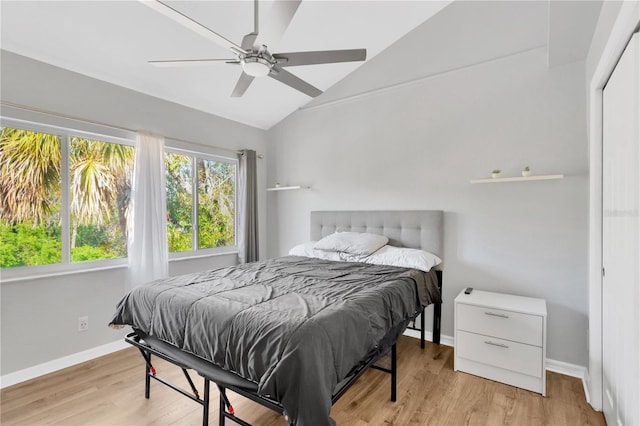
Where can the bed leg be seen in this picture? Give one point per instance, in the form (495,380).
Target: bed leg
(221,408)
(148,372)
(422,329)
(394,366)
(437,314)
(205,405)
(147,375)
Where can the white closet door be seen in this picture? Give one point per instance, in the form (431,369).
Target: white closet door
(621,241)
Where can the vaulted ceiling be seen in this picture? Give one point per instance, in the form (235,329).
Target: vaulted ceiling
(114,40)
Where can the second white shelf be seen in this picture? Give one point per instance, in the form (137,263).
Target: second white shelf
(517,179)
(287,188)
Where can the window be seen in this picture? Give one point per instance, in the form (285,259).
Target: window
(99,189)
(30,198)
(201,205)
(179,173)
(64,197)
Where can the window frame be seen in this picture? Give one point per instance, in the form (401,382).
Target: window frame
(66,266)
(195,153)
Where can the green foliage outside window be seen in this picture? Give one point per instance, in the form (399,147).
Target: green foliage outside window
(215,202)
(179,202)
(25,244)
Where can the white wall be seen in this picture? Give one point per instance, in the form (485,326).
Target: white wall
(417,146)
(39,317)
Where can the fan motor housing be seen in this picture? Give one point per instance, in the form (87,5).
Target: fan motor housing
(257,64)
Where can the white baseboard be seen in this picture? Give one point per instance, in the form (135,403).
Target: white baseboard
(60,363)
(428,335)
(586,384)
(571,370)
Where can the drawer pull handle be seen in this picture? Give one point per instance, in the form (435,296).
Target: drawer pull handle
(502,345)
(496,315)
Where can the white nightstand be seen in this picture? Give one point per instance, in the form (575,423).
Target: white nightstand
(502,337)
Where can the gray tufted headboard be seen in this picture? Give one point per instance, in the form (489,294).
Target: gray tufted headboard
(422,229)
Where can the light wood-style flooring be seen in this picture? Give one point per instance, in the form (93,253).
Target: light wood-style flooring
(110,391)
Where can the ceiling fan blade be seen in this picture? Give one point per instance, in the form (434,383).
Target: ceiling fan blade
(188,62)
(248,40)
(292,81)
(194,26)
(293,59)
(279,17)
(242,85)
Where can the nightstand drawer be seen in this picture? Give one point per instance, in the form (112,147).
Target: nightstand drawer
(508,355)
(514,326)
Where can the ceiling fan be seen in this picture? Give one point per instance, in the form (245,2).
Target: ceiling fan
(253,53)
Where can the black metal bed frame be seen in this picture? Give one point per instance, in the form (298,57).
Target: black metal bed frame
(226,410)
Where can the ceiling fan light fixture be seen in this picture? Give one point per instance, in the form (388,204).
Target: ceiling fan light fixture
(256,66)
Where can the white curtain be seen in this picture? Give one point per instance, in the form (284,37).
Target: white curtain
(147,242)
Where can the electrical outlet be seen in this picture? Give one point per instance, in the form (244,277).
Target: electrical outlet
(83,323)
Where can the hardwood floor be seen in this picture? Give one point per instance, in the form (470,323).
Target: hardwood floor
(110,391)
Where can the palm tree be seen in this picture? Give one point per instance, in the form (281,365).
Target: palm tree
(99,179)
(30,163)
(30,171)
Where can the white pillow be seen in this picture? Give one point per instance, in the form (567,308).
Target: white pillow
(403,257)
(307,250)
(387,255)
(357,243)
(304,249)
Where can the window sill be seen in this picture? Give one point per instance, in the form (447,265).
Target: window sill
(222,251)
(9,276)
(12,276)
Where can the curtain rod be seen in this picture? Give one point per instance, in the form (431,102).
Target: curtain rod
(112,126)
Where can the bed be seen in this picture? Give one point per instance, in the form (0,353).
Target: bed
(291,333)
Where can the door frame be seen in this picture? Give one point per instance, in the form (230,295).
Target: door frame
(625,25)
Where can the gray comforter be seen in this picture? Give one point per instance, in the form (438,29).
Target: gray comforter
(295,326)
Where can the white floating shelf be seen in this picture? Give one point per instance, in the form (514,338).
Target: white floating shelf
(287,188)
(517,179)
